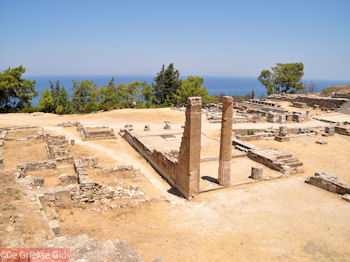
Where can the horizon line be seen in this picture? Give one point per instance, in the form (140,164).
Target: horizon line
(223,76)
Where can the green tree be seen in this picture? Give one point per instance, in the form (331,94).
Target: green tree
(84,97)
(110,95)
(253,94)
(62,102)
(55,90)
(167,83)
(193,86)
(15,92)
(132,92)
(283,78)
(147,93)
(46,103)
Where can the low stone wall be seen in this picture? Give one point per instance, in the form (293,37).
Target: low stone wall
(22,168)
(311,100)
(89,133)
(299,104)
(163,163)
(328,182)
(68,124)
(272,158)
(56,147)
(89,162)
(39,134)
(342,130)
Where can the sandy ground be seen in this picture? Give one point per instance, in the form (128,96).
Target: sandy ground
(277,220)
(333,158)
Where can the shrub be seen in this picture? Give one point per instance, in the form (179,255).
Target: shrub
(59,110)
(250,132)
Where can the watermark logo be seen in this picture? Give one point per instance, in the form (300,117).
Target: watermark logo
(34,254)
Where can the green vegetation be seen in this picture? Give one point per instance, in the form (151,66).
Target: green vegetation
(193,86)
(250,132)
(15,92)
(86,97)
(167,83)
(283,78)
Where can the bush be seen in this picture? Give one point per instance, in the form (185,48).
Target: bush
(59,110)
(140,105)
(31,109)
(250,132)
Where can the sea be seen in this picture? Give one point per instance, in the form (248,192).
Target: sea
(215,85)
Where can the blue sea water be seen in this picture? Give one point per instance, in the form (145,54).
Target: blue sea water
(214,84)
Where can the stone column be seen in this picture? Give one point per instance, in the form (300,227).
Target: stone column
(188,167)
(224,177)
(257,173)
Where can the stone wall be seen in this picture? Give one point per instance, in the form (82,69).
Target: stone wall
(183,173)
(312,100)
(22,168)
(328,182)
(56,147)
(342,130)
(102,132)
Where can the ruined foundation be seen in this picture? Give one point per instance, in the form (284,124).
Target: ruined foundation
(224,177)
(90,133)
(182,173)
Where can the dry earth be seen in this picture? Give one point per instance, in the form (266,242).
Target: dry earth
(278,220)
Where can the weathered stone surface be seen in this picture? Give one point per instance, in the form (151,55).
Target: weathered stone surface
(321,142)
(257,173)
(282,135)
(346,197)
(102,132)
(183,173)
(330,130)
(38,181)
(311,100)
(224,176)
(328,182)
(188,168)
(67,179)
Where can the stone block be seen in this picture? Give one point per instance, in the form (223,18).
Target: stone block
(67,179)
(257,173)
(38,181)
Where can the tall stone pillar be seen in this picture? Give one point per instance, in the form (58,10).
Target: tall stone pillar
(224,177)
(188,167)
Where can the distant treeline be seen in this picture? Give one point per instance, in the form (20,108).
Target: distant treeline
(167,89)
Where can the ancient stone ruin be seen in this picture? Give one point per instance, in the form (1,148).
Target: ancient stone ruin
(90,133)
(328,182)
(182,173)
(224,177)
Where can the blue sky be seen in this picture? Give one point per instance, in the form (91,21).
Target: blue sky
(222,38)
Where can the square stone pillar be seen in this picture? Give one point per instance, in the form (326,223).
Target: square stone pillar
(224,177)
(188,167)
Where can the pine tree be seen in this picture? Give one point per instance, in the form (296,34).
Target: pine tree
(55,90)
(167,83)
(62,103)
(46,101)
